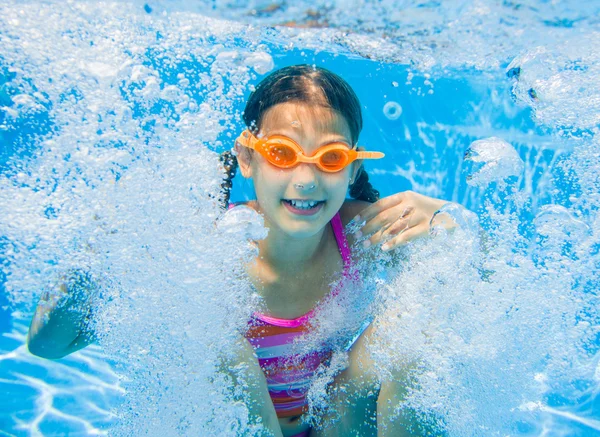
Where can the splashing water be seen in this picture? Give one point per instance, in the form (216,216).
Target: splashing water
(122,184)
(245,222)
(111,118)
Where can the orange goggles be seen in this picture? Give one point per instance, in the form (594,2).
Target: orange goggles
(283,152)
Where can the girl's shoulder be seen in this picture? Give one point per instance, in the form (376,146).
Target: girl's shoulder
(351,208)
(249,203)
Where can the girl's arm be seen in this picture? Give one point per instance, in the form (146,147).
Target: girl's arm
(363,405)
(404,423)
(250,387)
(353,396)
(60,324)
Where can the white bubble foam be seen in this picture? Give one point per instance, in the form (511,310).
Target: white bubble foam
(560,82)
(125,187)
(261,62)
(244,222)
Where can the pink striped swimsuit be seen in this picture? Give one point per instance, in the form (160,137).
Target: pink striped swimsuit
(272,337)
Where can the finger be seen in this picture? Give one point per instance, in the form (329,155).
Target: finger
(391,228)
(386,218)
(397,228)
(381,205)
(406,236)
(401,225)
(378,237)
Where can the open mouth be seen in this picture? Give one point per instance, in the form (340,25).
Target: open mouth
(303,207)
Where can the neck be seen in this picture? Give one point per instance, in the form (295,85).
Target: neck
(283,262)
(287,256)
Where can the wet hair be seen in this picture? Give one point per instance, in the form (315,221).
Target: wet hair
(313,86)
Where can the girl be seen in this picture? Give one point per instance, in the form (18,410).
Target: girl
(300,149)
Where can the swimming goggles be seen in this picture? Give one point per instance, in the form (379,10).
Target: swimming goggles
(283,152)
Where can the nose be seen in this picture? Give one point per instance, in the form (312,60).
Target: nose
(305,178)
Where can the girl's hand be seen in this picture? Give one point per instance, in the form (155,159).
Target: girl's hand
(397,219)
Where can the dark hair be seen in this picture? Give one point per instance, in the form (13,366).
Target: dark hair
(306,84)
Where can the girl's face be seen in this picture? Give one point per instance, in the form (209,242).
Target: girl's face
(311,127)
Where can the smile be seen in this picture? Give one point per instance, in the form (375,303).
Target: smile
(303,207)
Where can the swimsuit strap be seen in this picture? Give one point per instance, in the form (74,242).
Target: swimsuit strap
(338,231)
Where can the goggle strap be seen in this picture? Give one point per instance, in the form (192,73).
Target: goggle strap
(369,155)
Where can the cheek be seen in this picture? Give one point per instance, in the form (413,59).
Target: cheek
(337,185)
(269,180)
(337,181)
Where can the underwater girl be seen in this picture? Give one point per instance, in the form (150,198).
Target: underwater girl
(300,150)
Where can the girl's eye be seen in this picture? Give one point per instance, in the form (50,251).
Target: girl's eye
(333,158)
(281,153)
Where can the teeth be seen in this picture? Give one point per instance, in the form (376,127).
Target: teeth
(303,203)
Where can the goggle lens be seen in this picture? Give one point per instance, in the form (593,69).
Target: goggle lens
(280,154)
(283,155)
(334,160)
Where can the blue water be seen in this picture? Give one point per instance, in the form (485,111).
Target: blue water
(443,112)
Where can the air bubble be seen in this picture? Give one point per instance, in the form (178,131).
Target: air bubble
(452,215)
(491,160)
(261,62)
(557,221)
(392,110)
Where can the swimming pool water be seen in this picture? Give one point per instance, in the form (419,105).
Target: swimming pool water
(110,114)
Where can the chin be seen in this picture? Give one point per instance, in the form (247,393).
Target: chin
(299,229)
(301,232)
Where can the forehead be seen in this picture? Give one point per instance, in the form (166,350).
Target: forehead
(305,120)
